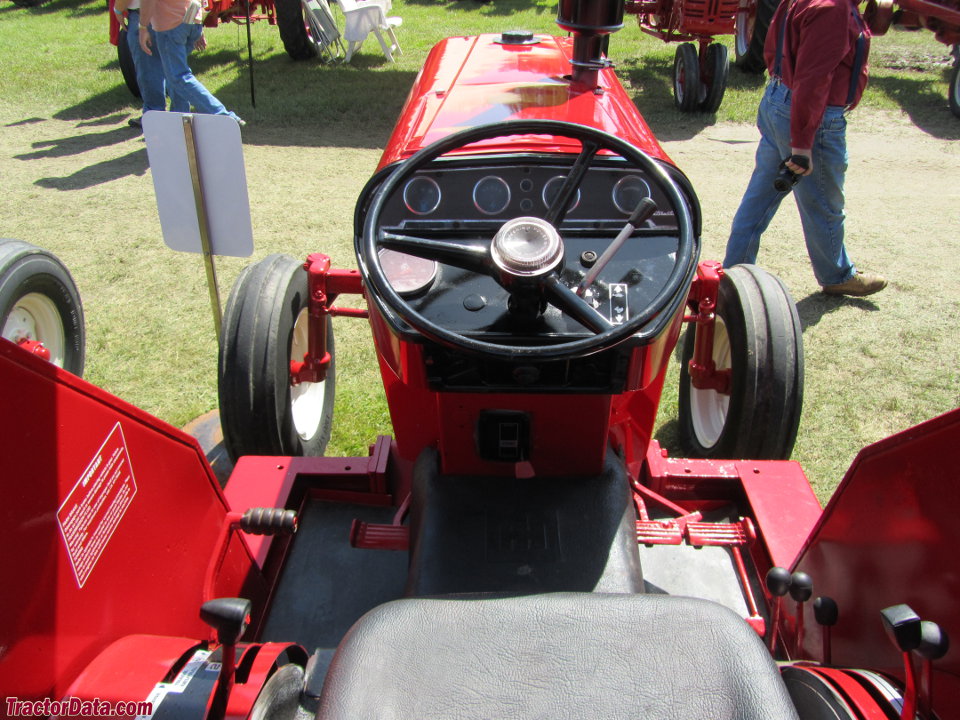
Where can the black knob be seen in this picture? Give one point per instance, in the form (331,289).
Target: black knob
(934,641)
(778,581)
(903,626)
(801,586)
(228,616)
(825,611)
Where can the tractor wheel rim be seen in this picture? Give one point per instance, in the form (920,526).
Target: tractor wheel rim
(306,398)
(743,32)
(35,317)
(708,408)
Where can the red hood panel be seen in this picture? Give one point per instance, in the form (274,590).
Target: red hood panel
(470,81)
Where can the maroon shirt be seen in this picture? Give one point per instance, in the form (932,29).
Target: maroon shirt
(818,56)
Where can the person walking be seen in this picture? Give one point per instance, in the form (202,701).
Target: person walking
(816,53)
(174,28)
(148,68)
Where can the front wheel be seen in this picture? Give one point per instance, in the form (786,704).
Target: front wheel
(714,77)
(127,67)
(295,33)
(265,326)
(39,302)
(758,338)
(686,78)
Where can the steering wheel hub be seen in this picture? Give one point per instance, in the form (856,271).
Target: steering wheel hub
(527,247)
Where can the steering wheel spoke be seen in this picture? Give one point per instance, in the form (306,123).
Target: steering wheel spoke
(567,301)
(473,255)
(561,203)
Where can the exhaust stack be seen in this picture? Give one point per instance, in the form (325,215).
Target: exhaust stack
(591,22)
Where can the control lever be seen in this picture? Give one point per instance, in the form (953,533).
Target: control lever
(905,631)
(826,613)
(643,212)
(778,583)
(230,618)
(801,588)
(934,644)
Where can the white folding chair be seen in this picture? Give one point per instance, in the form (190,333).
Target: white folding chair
(324,29)
(363,17)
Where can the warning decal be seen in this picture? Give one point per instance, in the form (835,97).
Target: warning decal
(96,504)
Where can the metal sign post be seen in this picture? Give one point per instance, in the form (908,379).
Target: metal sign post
(191,142)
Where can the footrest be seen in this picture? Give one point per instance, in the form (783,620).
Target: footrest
(659,532)
(372,536)
(738,533)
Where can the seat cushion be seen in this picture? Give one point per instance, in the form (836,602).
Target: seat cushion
(569,655)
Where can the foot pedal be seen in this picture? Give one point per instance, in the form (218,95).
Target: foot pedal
(371,536)
(659,532)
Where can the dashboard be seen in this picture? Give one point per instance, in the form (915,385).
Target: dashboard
(467,200)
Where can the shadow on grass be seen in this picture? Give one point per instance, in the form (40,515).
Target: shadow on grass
(651,89)
(923,101)
(71,8)
(133,163)
(815,306)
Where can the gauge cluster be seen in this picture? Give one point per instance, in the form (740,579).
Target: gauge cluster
(501,192)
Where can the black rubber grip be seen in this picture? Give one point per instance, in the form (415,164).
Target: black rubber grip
(269,521)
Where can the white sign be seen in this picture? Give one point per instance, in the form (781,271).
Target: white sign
(223,182)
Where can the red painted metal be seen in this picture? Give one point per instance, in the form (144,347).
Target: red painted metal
(684,20)
(108,509)
(703,298)
(35,347)
(468,81)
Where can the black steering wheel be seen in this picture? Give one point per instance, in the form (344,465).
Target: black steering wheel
(536,236)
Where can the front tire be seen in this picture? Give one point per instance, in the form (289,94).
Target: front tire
(39,301)
(297,40)
(686,78)
(264,327)
(717,68)
(758,337)
(953,89)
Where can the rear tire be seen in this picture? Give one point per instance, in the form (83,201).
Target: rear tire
(715,77)
(127,67)
(686,78)
(264,326)
(758,337)
(750,33)
(39,301)
(297,40)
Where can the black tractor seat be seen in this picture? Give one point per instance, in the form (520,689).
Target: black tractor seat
(564,655)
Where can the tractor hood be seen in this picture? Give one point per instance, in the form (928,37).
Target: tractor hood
(470,81)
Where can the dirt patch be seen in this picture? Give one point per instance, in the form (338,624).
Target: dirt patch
(874,366)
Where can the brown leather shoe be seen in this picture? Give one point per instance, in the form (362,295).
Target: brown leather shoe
(859,285)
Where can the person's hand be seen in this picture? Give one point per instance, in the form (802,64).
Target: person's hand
(201,43)
(145,43)
(121,18)
(799,169)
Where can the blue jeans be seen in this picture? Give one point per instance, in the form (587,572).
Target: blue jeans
(819,196)
(185,90)
(149,68)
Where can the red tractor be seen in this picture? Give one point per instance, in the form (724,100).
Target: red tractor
(528,256)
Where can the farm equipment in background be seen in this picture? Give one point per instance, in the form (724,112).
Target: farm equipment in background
(301,39)
(942,17)
(522,547)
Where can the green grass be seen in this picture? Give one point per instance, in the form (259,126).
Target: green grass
(82,190)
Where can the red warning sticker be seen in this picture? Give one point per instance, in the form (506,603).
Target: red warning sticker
(96,504)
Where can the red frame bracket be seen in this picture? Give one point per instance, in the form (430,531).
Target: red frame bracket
(703,299)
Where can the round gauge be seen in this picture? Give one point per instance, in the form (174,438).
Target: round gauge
(628,192)
(407,274)
(491,195)
(421,195)
(551,189)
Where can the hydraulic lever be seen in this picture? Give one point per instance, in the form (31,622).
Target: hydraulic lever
(643,212)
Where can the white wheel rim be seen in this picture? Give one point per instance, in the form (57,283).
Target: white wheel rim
(741,31)
(306,398)
(35,317)
(708,408)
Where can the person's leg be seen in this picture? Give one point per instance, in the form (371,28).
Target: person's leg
(761,200)
(174,46)
(179,102)
(820,201)
(149,68)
